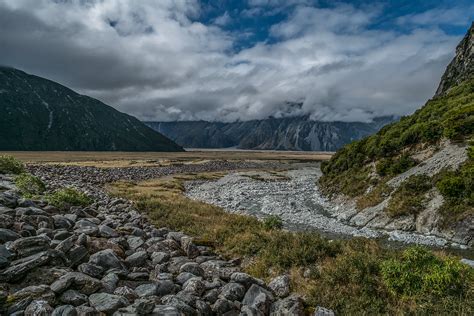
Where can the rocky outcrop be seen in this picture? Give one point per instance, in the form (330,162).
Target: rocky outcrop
(461,67)
(108,259)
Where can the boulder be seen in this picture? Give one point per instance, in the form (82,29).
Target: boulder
(291,305)
(233,291)
(73,297)
(280,286)
(64,310)
(76,280)
(107,303)
(259,298)
(107,259)
(38,308)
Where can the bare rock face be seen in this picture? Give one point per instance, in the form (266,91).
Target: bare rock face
(462,66)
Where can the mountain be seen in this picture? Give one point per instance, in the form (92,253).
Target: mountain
(39,114)
(292,133)
(416,174)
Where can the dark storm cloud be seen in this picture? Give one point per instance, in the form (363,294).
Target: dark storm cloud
(153,59)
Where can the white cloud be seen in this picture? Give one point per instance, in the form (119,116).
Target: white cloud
(153,60)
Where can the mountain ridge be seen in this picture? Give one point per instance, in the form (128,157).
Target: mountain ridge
(40,114)
(290,133)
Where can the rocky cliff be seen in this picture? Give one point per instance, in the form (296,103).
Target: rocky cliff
(416,174)
(292,133)
(39,114)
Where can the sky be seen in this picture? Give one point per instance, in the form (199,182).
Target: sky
(165,60)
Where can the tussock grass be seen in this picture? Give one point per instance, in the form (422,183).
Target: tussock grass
(342,275)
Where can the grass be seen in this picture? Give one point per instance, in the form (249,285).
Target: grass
(68,197)
(10,165)
(374,197)
(347,276)
(29,185)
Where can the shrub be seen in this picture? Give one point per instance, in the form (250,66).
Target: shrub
(67,197)
(9,164)
(451,186)
(273,222)
(392,167)
(29,185)
(421,273)
(409,197)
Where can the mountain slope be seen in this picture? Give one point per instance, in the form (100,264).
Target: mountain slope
(293,133)
(416,174)
(39,114)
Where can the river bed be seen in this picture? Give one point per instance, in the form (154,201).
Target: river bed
(292,195)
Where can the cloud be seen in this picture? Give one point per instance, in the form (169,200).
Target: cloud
(155,60)
(223,19)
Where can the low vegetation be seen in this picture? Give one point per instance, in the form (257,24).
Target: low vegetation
(450,116)
(29,185)
(68,197)
(273,222)
(409,197)
(10,165)
(352,276)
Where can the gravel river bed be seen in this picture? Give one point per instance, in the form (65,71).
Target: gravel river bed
(293,195)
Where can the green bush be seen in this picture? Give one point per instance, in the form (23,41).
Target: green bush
(9,164)
(421,273)
(273,222)
(67,197)
(29,185)
(451,186)
(392,167)
(409,197)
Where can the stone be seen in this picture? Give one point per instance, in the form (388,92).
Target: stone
(76,280)
(135,242)
(250,311)
(106,259)
(64,310)
(126,292)
(7,235)
(233,291)
(291,305)
(145,290)
(194,286)
(166,310)
(19,268)
(192,267)
(177,302)
(38,308)
(280,286)
(220,268)
(107,232)
(73,297)
(321,311)
(203,308)
(245,279)
(183,277)
(61,221)
(138,259)
(85,226)
(107,303)
(109,282)
(191,250)
(223,306)
(258,298)
(84,310)
(93,270)
(37,292)
(159,257)
(144,306)
(76,255)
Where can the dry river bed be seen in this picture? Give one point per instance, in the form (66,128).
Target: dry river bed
(295,198)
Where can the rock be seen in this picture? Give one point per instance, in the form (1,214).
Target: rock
(37,292)
(38,308)
(203,308)
(321,311)
(107,232)
(250,311)
(191,250)
(7,235)
(144,306)
(183,277)
(192,267)
(138,259)
(73,297)
(85,226)
(64,310)
(220,268)
(107,259)
(233,291)
(245,279)
(181,305)
(76,280)
(135,242)
(93,270)
(291,305)
(20,267)
(109,282)
(280,286)
(166,310)
(194,286)
(223,306)
(160,257)
(76,255)
(107,303)
(84,310)
(19,306)
(145,290)
(126,292)
(258,298)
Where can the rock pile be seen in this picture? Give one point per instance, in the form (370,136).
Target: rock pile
(108,259)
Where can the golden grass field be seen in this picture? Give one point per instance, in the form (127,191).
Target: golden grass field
(126,159)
